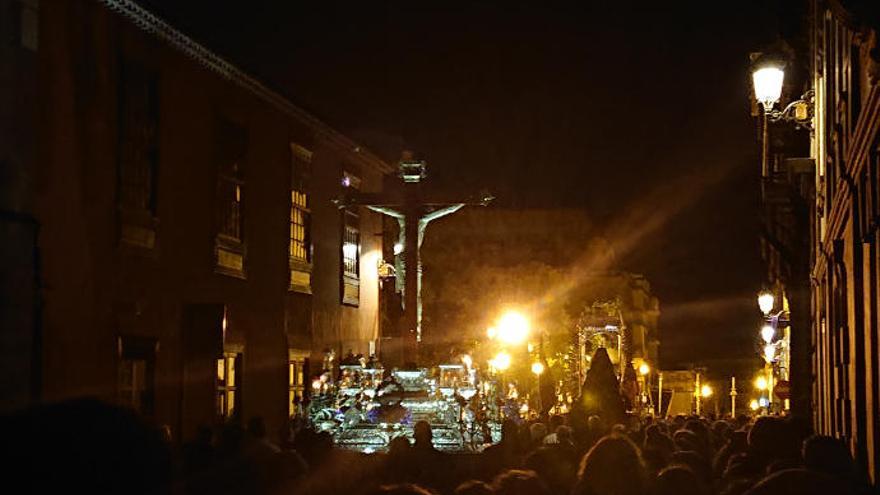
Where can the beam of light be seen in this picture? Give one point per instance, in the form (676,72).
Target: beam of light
(636,224)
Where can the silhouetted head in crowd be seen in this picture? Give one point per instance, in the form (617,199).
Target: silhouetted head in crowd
(398,446)
(694,461)
(422,435)
(518,482)
(602,469)
(473,487)
(509,431)
(204,435)
(678,480)
(773,439)
(231,439)
(827,455)
(256,427)
(537,432)
(798,482)
(84,446)
(402,489)
(687,440)
(564,435)
(596,424)
(657,439)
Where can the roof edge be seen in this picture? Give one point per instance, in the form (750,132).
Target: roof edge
(154,25)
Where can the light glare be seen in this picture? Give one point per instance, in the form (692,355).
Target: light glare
(761,383)
(706,391)
(513,327)
(537,368)
(768,85)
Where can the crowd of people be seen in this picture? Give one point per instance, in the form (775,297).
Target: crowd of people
(88,446)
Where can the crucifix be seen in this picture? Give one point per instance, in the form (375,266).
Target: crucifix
(413,211)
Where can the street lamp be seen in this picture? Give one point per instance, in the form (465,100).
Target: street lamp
(767,333)
(768,74)
(537,368)
(761,383)
(769,353)
(513,328)
(768,85)
(644,369)
(706,391)
(766,302)
(501,361)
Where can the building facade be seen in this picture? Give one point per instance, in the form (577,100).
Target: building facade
(175,244)
(845,73)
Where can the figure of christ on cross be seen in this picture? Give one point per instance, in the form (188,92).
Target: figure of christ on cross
(413,213)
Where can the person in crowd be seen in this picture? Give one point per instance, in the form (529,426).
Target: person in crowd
(518,482)
(678,480)
(402,489)
(601,469)
(473,487)
(506,453)
(84,446)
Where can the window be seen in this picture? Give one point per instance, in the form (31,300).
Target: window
(229,248)
(351,244)
(228,379)
(296,372)
(136,373)
(351,247)
(138,155)
(300,249)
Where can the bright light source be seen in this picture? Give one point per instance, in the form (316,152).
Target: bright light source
(501,361)
(768,85)
(769,353)
(491,332)
(766,302)
(398,248)
(644,369)
(467,360)
(349,250)
(706,391)
(761,383)
(513,327)
(754,405)
(764,402)
(767,333)
(537,368)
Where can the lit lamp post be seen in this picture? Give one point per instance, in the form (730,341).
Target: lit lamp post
(768,74)
(770,337)
(701,392)
(761,384)
(538,369)
(644,372)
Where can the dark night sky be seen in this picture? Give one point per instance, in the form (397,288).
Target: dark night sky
(638,114)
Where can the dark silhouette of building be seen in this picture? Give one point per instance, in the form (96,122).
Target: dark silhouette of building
(169,240)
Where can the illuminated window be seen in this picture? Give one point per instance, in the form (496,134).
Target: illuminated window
(138,155)
(232,148)
(296,391)
(135,373)
(300,248)
(228,381)
(299,222)
(351,242)
(351,246)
